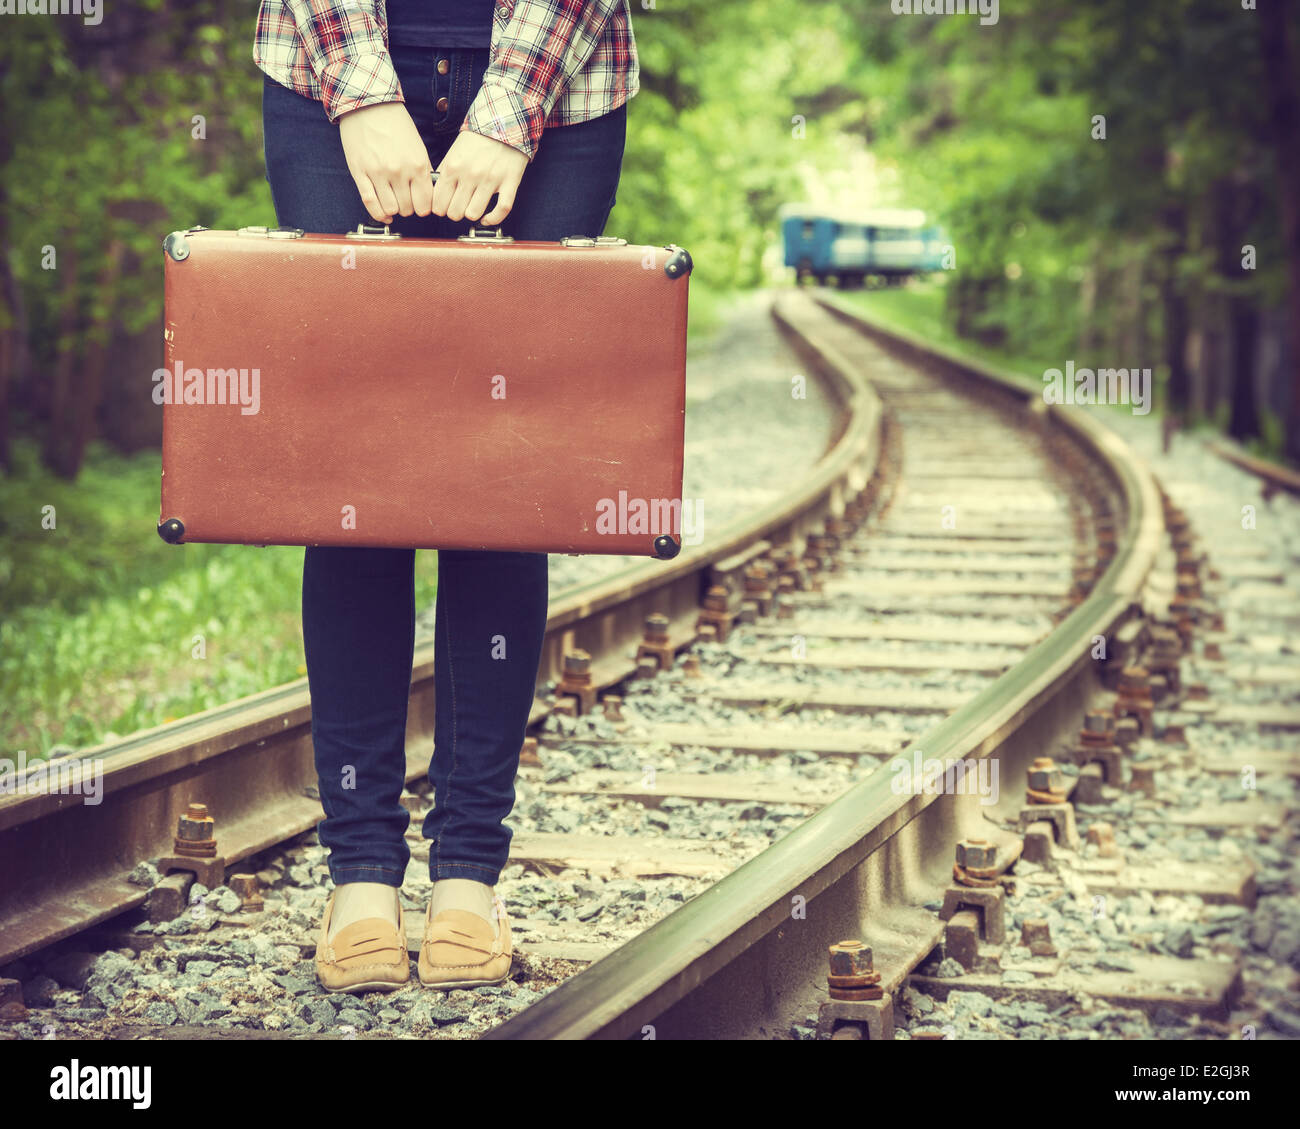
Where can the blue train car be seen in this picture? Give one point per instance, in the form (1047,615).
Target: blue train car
(891,244)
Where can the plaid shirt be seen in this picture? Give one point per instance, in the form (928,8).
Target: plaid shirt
(553,62)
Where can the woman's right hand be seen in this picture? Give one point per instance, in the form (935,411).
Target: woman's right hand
(388,160)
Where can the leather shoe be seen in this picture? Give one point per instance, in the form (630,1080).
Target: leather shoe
(461,950)
(368,955)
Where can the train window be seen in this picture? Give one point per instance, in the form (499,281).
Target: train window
(807,232)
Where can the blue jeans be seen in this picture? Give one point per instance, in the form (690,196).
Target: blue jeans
(358,604)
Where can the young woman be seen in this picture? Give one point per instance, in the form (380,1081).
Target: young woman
(362,100)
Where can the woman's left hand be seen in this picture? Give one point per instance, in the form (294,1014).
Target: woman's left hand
(475,167)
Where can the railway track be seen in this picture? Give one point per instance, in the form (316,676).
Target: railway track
(965,578)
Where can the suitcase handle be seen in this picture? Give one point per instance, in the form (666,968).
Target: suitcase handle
(476,234)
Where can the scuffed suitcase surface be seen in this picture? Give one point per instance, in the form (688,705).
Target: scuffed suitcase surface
(375,391)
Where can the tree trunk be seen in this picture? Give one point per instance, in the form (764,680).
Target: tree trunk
(1178,391)
(82,423)
(1088,308)
(1243,337)
(64,369)
(1242,312)
(15,354)
(1277,48)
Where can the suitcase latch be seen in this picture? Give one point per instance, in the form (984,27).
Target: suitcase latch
(272,232)
(369,231)
(589,241)
(485,235)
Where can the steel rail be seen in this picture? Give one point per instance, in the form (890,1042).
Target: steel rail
(250,761)
(1274,475)
(729,962)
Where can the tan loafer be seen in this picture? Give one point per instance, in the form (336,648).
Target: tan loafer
(460,949)
(367,956)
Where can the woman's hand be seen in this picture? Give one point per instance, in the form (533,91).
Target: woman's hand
(475,167)
(388,160)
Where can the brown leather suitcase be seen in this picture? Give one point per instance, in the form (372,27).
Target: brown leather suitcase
(472,393)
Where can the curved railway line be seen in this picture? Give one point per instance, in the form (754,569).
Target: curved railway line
(968,578)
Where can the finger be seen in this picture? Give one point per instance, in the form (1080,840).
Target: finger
(443,191)
(387,197)
(401,186)
(460,200)
(422,192)
(478,202)
(505,201)
(370,198)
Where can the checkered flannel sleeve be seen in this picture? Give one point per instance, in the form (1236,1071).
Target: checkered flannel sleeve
(544,46)
(343,43)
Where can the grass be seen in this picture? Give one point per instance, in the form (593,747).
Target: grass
(707,310)
(105,630)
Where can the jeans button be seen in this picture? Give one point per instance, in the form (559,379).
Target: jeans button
(443,66)
(442,105)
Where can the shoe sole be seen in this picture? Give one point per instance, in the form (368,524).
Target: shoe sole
(478,983)
(367,986)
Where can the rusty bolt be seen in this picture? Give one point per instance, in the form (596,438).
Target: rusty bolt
(691,666)
(655,652)
(195,823)
(656,628)
(1097,723)
(1134,696)
(1126,731)
(716,600)
(1046,776)
(577,663)
(1165,642)
(979,853)
(196,833)
(613,707)
(850,958)
(575,681)
(1133,680)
